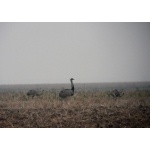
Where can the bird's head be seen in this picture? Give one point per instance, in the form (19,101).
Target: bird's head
(71,79)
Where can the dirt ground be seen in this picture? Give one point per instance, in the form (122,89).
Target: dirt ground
(95,117)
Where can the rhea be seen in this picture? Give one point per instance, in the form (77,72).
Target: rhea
(33,93)
(115,93)
(67,92)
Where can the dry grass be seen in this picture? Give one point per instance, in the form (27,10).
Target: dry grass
(85,109)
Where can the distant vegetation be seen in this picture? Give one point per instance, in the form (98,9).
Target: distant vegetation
(84,109)
(78,86)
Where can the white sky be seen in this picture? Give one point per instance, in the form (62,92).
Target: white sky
(88,52)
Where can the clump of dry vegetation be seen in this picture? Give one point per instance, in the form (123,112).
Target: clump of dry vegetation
(84,109)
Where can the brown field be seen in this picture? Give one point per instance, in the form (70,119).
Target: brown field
(83,110)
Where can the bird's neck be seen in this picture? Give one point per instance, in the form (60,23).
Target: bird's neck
(72,86)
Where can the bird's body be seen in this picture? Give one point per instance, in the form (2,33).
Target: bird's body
(33,93)
(67,92)
(115,93)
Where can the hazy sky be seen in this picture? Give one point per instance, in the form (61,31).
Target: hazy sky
(88,52)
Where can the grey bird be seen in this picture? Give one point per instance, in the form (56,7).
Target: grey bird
(115,93)
(33,93)
(67,92)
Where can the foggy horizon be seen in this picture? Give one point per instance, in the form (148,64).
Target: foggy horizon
(76,83)
(52,53)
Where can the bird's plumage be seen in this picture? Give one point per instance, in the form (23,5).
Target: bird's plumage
(67,92)
(33,93)
(115,93)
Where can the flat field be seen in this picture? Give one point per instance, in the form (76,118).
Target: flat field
(89,109)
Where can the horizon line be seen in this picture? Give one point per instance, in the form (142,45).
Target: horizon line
(78,83)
